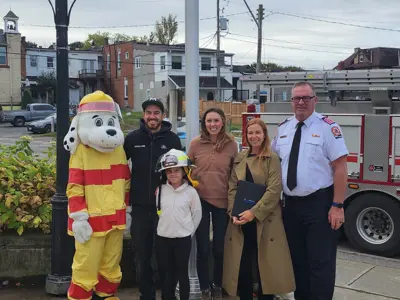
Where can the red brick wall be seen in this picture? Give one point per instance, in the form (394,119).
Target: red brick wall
(115,77)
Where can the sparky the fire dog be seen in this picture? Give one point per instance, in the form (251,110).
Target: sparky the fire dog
(98,197)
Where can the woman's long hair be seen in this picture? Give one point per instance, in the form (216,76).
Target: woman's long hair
(223,136)
(266,144)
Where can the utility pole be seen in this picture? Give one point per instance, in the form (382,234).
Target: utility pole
(192,115)
(62,245)
(218,96)
(258,21)
(259,45)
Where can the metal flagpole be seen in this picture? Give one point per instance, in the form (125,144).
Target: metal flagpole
(192,114)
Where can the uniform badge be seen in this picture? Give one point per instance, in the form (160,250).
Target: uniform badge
(336,132)
(316,135)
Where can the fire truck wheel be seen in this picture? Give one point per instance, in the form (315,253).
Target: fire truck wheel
(373,224)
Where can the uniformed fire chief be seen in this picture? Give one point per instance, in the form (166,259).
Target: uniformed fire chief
(313,156)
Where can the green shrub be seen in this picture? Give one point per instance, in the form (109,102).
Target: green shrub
(27,183)
(26,99)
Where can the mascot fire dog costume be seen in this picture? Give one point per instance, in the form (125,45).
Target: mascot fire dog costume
(98,197)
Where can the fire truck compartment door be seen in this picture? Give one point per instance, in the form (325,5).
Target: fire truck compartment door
(395,158)
(376,147)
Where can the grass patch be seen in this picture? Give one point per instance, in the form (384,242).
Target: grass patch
(13,108)
(49,134)
(131,120)
(235,127)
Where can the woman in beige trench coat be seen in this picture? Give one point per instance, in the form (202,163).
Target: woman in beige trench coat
(269,238)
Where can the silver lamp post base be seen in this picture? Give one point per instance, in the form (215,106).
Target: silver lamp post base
(195,291)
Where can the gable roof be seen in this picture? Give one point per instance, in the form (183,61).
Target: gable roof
(11,15)
(382,57)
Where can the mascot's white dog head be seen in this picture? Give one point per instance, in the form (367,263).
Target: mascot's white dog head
(96,125)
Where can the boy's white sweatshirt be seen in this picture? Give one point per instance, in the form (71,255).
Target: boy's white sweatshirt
(180,211)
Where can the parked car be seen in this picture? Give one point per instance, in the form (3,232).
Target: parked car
(44,126)
(33,112)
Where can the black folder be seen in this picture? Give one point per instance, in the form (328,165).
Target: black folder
(247,195)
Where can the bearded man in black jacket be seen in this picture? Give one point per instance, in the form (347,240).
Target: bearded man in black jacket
(143,147)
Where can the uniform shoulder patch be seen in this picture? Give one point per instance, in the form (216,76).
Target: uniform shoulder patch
(336,132)
(283,122)
(327,120)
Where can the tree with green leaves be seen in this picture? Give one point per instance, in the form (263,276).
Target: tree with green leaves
(47,83)
(76,45)
(26,99)
(29,44)
(166,30)
(98,39)
(273,67)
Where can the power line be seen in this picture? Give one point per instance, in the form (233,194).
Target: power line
(286,47)
(338,46)
(346,20)
(126,26)
(334,22)
(243,56)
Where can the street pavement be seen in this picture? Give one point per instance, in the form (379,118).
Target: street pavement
(355,280)
(10,134)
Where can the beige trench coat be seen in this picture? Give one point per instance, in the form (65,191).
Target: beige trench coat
(275,264)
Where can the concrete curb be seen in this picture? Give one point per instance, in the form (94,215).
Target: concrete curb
(368,259)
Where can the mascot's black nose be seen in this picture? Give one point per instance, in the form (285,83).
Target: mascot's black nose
(111,132)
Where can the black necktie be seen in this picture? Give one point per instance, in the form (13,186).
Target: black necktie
(293,158)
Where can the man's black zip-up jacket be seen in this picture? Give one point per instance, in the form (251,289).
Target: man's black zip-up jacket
(144,150)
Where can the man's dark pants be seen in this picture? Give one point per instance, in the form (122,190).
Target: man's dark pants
(143,232)
(220,220)
(313,244)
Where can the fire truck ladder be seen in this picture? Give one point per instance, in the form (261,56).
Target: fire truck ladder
(380,86)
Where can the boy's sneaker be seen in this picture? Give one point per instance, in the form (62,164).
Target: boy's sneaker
(216,292)
(206,294)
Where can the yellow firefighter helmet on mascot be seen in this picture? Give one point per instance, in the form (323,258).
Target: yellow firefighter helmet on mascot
(96,124)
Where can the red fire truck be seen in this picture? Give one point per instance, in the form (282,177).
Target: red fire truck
(372,206)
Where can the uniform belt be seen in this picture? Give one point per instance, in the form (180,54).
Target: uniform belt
(320,191)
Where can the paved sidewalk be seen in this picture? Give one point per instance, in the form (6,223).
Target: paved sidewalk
(355,280)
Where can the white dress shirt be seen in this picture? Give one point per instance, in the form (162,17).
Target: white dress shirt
(321,143)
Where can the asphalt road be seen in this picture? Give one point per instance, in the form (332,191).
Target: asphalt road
(10,134)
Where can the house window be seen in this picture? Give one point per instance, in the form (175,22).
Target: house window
(50,62)
(206,63)
(162,62)
(119,60)
(361,58)
(126,55)
(33,60)
(177,62)
(108,62)
(3,55)
(163,83)
(138,62)
(126,88)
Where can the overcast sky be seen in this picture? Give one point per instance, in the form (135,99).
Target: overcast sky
(288,40)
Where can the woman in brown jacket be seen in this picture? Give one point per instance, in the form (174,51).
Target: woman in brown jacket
(258,232)
(212,153)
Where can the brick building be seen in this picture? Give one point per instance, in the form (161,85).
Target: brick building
(118,70)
